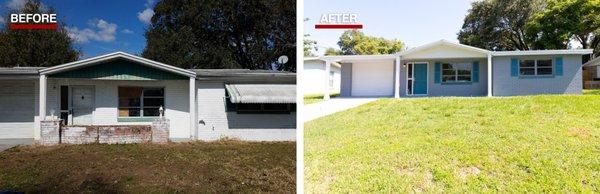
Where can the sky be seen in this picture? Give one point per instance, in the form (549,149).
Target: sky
(415,22)
(100,26)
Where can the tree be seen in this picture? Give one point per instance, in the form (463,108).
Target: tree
(566,20)
(35,48)
(333,51)
(223,34)
(309,45)
(499,24)
(353,42)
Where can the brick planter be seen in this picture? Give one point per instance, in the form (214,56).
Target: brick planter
(160,130)
(53,133)
(50,130)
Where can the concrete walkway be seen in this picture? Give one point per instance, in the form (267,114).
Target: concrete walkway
(9,143)
(333,105)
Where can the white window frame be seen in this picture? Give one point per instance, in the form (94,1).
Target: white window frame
(413,78)
(456,72)
(535,66)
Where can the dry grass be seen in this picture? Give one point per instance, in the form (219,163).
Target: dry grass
(198,167)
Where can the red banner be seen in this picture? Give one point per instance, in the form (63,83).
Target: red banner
(13,26)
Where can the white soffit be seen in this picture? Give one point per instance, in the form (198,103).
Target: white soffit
(544,52)
(445,50)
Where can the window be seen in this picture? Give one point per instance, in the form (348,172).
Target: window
(331,74)
(456,72)
(258,108)
(140,102)
(535,67)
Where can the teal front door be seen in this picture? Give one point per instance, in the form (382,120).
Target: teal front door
(420,79)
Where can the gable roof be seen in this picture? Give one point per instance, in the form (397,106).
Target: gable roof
(116,55)
(444,49)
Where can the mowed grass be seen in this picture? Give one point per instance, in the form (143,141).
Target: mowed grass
(439,145)
(197,167)
(314,98)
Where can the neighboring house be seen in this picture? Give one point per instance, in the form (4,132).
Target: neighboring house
(313,81)
(444,68)
(123,89)
(591,74)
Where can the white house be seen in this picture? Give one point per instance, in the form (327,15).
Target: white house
(123,89)
(315,79)
(443,68)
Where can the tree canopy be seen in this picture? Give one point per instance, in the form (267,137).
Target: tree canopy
(532,24)
(223,34)
(35,48)
(499,24)
(354,42)
(565,20)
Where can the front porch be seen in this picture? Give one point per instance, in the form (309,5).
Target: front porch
(115,98)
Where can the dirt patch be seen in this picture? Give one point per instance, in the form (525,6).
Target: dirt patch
(426,183)
(197,167)
(579,132)
(465,172)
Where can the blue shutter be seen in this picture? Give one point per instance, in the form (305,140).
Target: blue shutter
(514,67)
(437,73)
(475,71)
(559,66)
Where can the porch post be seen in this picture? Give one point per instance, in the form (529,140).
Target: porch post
(397,77)
(489,74)
(326,88)
(193,130)
(42,103)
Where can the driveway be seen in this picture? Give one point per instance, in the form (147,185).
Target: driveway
(333,105)
(9,143)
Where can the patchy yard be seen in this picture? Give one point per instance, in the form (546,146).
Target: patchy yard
(514,144)
(218,167)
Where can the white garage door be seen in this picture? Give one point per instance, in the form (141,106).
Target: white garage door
(17,106)
(373,78)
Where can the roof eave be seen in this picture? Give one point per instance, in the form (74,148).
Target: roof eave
(115,55)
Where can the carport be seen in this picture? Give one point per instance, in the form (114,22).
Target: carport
(18,88)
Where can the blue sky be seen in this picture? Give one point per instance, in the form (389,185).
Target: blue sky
(414,22)
(100,26)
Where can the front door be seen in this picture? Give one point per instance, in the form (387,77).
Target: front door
(82,99)
(416,78)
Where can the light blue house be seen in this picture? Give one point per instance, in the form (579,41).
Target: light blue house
(444,68)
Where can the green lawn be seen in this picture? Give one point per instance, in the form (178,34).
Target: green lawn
(216,167)
(314,98)
(513,144)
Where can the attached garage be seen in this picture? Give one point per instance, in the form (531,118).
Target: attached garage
(373,78)
(17,108)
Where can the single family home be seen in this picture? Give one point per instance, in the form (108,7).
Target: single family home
(444,68)
(121,89)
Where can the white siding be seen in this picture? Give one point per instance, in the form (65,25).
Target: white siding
(106,101)
(215,123)
(373,78)
(17,104)
(313,77)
